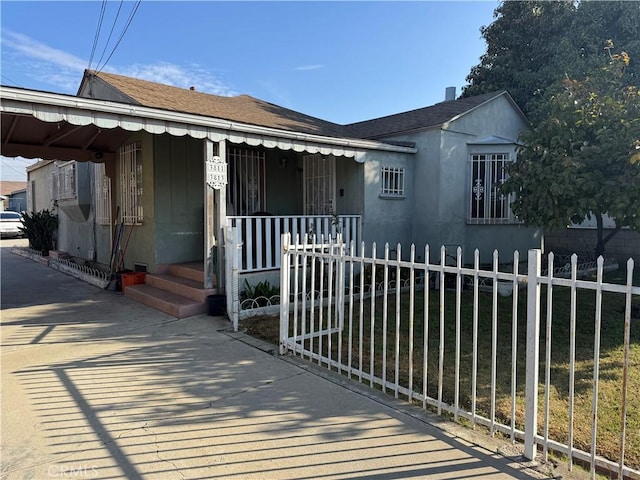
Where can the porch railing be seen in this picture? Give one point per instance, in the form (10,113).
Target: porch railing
(260,243)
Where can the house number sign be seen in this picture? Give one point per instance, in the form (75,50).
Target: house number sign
(216,172)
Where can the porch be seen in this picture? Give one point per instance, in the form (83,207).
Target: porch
(252,247)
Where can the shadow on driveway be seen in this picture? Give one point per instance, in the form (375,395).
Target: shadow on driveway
(97,386)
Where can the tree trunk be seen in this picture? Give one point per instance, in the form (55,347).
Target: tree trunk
(602,240)
(600,232)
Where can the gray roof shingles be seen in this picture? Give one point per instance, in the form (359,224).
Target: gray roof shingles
(422,118)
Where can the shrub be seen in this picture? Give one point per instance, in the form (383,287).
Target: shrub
(40,228)
(260,289)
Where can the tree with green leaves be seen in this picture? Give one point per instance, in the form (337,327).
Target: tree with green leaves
(582,160)
(533,44)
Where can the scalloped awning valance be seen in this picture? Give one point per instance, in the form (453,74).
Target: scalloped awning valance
(46,125)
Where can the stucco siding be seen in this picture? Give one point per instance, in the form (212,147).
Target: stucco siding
(40,198)
(441,182)
(349,186)
(506,239)
(387,219)
(452,209)
(496,117)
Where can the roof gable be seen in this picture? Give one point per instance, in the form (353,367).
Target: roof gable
(422,118)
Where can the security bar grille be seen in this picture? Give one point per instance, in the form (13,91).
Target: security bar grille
(103,195)
(486,202)
(131,184)
(319,184)
(247,181)
(392,181)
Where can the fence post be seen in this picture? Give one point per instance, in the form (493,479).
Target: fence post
(235,271)
(284,293)
(533,352)
(229,247)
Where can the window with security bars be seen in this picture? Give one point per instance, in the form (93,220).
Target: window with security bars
(131,184)
(102,195)
(63,182)
(486,203)
(392,181)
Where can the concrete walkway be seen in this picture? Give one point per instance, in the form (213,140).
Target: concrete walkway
(97,386)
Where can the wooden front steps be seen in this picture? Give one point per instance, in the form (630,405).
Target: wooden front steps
(176,289)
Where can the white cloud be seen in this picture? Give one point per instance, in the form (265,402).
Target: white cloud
(309,67)
(63,70)
(36,50)
(43,63)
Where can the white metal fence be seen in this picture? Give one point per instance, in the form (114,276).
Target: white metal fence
(520,360)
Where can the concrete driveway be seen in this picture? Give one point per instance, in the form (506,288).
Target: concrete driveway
(97,386)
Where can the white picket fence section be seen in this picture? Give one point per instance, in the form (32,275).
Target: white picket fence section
(330,294)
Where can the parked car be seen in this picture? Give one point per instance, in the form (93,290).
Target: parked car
(10,224)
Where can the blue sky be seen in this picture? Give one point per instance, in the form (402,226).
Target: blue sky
(340,61)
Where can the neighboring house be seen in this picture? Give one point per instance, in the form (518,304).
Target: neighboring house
(10,194)
(67,188)
(39,186)
(425,176)
(18,200)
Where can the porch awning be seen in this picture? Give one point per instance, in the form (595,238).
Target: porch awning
(54,126)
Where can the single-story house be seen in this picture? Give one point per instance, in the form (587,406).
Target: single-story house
(13,195)
(175,170)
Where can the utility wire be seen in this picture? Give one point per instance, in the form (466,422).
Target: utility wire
(97,35)
(18,159)
(6,165)
(104,50)
(7,79)
(126,27)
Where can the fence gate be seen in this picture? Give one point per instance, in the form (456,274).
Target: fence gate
(313,274)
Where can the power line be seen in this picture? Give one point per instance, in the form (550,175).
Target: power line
(126,27)
(17,159)
(97,35)
(10,81)
(11,168)
(104,50)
